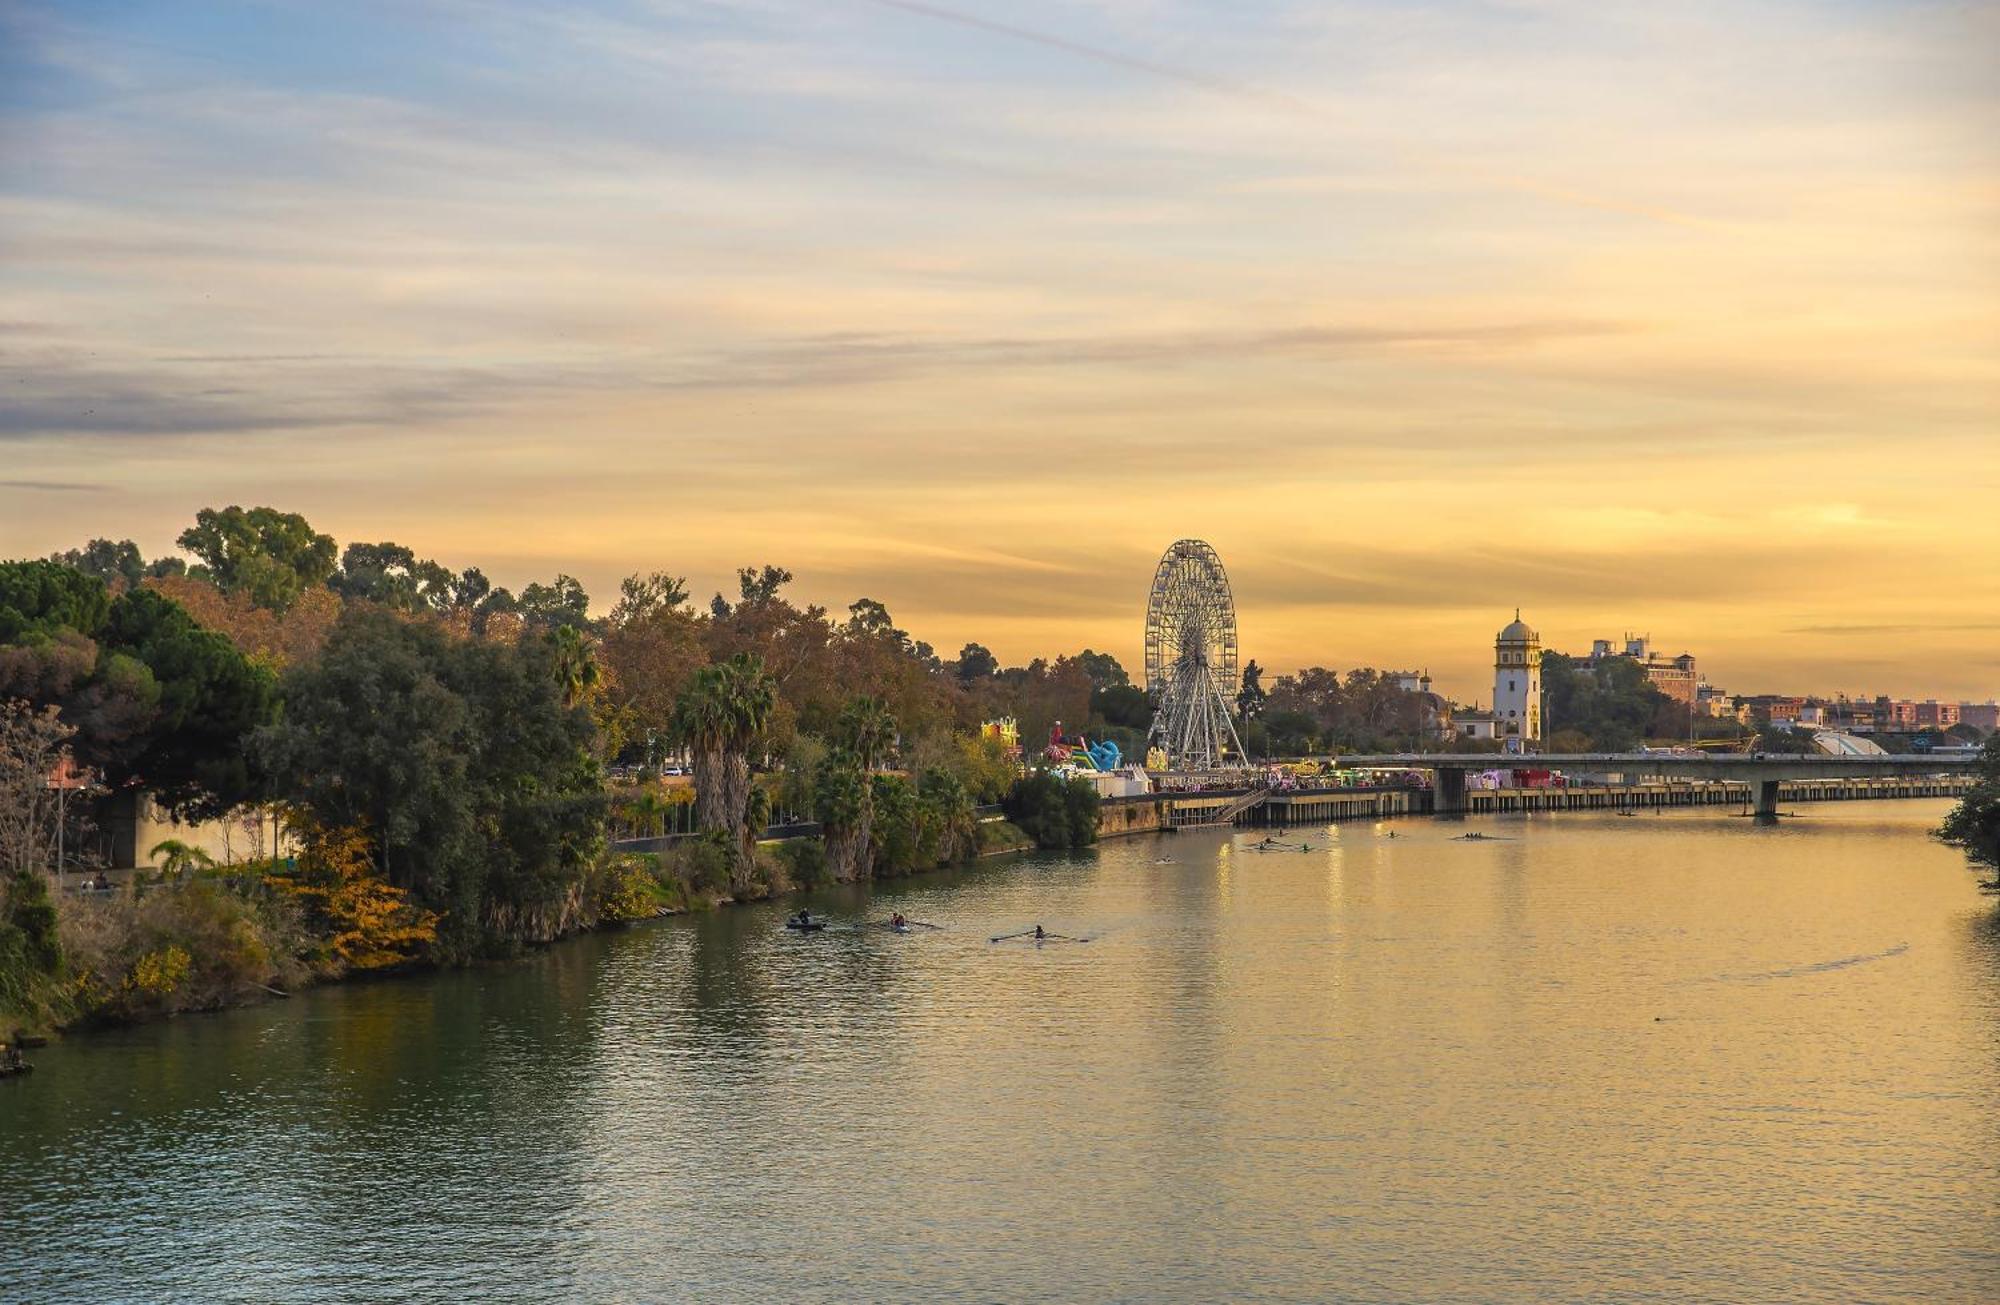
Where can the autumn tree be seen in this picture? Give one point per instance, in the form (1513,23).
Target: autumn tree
(651,647)
(368,924)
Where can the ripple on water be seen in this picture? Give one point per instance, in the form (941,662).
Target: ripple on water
(1383,1070)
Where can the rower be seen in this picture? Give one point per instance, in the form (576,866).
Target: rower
(805,916)
(897,921)
(1039,934)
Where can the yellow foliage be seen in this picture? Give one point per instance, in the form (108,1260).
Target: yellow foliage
(159,973)
(631,896)
(373,923)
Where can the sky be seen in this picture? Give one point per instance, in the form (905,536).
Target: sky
(1675,319)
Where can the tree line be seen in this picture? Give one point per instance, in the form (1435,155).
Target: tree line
(437,748)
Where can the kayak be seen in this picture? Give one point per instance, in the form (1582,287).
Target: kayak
(805,926)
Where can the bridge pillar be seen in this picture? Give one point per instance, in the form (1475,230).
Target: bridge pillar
(1767,799)
(1450,796)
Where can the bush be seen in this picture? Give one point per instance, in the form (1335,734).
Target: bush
(1055,812)
(628,888)
(804,860)
(1002,836)
(703,865)
(1974,824)
(197,947)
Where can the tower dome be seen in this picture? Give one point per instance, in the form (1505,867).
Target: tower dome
(1517,630)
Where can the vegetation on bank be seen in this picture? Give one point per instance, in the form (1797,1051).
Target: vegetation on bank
(421,757)
(1974,824)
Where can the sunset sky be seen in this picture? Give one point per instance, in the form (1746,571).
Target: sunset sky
(1680,318)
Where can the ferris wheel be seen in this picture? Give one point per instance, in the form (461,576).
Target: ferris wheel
(1191,668)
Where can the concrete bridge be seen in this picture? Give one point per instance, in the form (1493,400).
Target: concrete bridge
(1762,772)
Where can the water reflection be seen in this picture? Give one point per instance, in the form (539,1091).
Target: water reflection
(1601,1058)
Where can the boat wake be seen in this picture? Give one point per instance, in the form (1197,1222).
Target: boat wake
(1819,967)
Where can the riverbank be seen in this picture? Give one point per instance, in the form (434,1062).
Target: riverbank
(218,943)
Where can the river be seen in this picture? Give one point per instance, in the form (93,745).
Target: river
(1662,1058)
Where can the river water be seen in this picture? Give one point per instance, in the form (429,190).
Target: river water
(1670,1057)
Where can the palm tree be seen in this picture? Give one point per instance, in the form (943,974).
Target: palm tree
(576,666)
(718,716)
(176,858)
(845,807)
(756,819)
(864,733)
(647,815)
(866,729)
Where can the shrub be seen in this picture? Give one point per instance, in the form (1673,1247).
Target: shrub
(159,973)
(1055,812)
(197,947)
(703,865)
(629,889)
(804,860)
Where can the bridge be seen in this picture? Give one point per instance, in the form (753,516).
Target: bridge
(1762,771)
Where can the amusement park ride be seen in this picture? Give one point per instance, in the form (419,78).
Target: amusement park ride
(1191,667)
(1191,675)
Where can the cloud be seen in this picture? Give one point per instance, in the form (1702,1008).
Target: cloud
(303,392)
(48,486)
(1933,627)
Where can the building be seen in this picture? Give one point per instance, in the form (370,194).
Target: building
(1932,714)
(1474,723)
(1719,704)
(1777,708)
(1895,714)
(1517,681)
(1673,676)
(1851,715)
(1983,716)
(1409,681)
(1434,711)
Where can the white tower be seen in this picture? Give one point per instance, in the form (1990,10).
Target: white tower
(1517,682)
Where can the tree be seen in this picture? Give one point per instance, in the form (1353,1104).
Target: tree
(155,698)
(975,663)
(1054,811)
(646,598)
(33,745)
(719,714)
(1611,701)
(1103,669)
(650,648)
(761,585)
(866,729)
(1974,824)
(575,666)
(461,764)
(368,924)
(175,858)
(1250,699)
(193,755)
(274,639)
(560,602)
(110,562)
(41,598)
(270,556)
(392,575)
(843,800)
(866,617)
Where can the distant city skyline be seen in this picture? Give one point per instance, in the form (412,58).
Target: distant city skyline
(1679,318)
